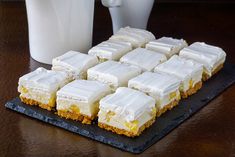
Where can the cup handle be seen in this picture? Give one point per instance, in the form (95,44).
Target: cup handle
(111,3)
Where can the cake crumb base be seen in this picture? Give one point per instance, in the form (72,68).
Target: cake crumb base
(125,132)
(206,76)
(167,107)
(35,103)
(191,91)
(75,116)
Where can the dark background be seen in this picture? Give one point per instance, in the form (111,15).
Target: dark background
(176,1)
(209,133)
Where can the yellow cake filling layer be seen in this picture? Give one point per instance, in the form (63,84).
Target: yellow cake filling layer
(101,60)
(74,109)
(39,97)
(109,115)
(132,126)
(113,119)
(114,122)
(172,95)
(191,83)
(87,110)
(24,90)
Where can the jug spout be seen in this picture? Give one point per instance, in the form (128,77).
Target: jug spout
(112,3)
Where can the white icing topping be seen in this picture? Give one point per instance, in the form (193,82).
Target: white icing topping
(137,37)
(155,84)
(84,91)
(75,63)
(43,79)
(180,67)
(111,50)
(205,54)
(128,103)
(113,73)
(145,59)
(166,45)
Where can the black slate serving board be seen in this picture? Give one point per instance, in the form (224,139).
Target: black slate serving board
(163,125)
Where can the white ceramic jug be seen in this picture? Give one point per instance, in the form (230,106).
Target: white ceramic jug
(57,26)
(133,13)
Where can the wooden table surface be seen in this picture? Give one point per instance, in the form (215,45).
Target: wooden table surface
(210,132)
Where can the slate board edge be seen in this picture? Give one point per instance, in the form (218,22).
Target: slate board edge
(172,127)
(12,106)
(136,149)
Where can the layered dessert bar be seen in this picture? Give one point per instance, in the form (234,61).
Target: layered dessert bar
(79,100)
(127,112)
(40,86)
(137,37)
(188,71)
(113,73)
(145,59)
(164,88)
(211,57)
(74,63)
(110,50)
(166,45)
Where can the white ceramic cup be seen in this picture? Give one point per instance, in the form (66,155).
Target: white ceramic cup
(57,26)
(133,13)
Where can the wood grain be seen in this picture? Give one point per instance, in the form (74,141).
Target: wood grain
(210,132)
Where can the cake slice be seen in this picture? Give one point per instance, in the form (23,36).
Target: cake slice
(110,50)
(126,112)
(164,88)
(211,57)
(113,73)
(188,71)
(137,37)
(145,59)
(40,86)
(166,45)
(79,100)
(74,63)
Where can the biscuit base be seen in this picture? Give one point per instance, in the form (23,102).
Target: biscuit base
(167,107)
(75,116)
(125,132)
(191,91)
(36,103)
(206,76)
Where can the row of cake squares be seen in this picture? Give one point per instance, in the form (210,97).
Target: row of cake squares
(130,39)
(126,46)
(127,39)
(130,110)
